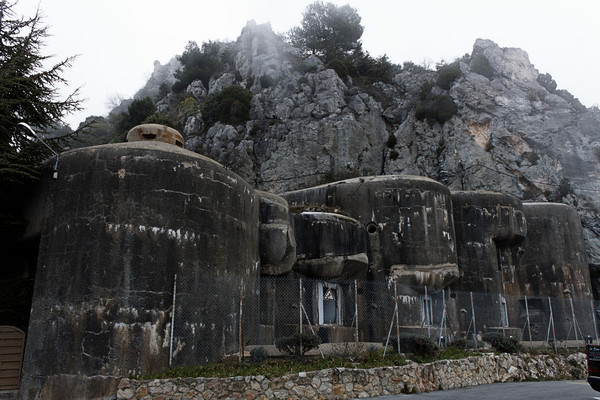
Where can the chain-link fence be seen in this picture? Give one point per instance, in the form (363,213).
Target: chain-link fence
(227,315)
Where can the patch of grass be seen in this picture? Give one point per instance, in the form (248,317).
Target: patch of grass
(450,353)
(276,367)
(455,353)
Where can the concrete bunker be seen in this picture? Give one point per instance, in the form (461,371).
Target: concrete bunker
(551,263)
(277,242)
(330,246)
(408,220)
(123,220)
(127,218)
(155,132)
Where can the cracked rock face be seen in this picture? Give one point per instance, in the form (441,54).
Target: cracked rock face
(510,134)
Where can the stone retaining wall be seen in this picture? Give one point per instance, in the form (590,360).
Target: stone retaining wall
(344,383)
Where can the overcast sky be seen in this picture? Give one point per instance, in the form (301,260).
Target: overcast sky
(118,40)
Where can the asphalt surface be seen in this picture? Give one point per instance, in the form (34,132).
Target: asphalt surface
(551,390)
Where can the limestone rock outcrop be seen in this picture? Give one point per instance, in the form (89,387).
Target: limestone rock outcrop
(153,256)
(513,132)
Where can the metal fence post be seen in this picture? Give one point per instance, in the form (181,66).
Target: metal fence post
(300,303)
(397,315)
(502,315)
(551,324)
(356,312)
(241,324)
(574,322)
(428,316)
(443,330)
(594,319)
(473,320)
(274,316)
(387,341)
(528,322)
(172,320)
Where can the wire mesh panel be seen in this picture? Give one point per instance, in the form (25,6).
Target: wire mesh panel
(213,318)
(223,316)
(289,306)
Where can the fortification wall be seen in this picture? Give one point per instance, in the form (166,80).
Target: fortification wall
(124,220)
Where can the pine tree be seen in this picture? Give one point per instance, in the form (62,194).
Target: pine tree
(27,94)
(328,31)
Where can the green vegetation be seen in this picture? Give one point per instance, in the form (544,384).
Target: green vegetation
(328,31)
(266,81)
(363,68)
(503,344)
(258,355)
(412,67)
(391,141)
(447,74)
(298,344)
(564,188)
(333,34)
(199,63)
(438,107)
(275,367)
(278,366)
(28,89)
(460,344)
(546,81)
(418,345)
(434,107)
(230,106)
(137,112)
(163,119)
(97,130)
(481,65)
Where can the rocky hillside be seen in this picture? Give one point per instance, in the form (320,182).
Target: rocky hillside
(488,121)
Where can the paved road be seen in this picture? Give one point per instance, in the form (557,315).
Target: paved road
(553,390)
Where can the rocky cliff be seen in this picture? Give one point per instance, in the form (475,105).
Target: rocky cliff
(511,130)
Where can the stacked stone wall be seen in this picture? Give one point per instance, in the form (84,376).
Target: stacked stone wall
(344,383)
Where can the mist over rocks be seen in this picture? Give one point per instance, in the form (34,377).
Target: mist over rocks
(512,132)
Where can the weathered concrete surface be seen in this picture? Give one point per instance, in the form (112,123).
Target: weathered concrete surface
(550,263)
(486,223)
(125,219)
(408,220)
(552,259)
(77,387)
(330,246)
(276,235)
(155,132)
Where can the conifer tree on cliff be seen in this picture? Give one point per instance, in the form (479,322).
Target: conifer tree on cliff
(328,31)
(27,94)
